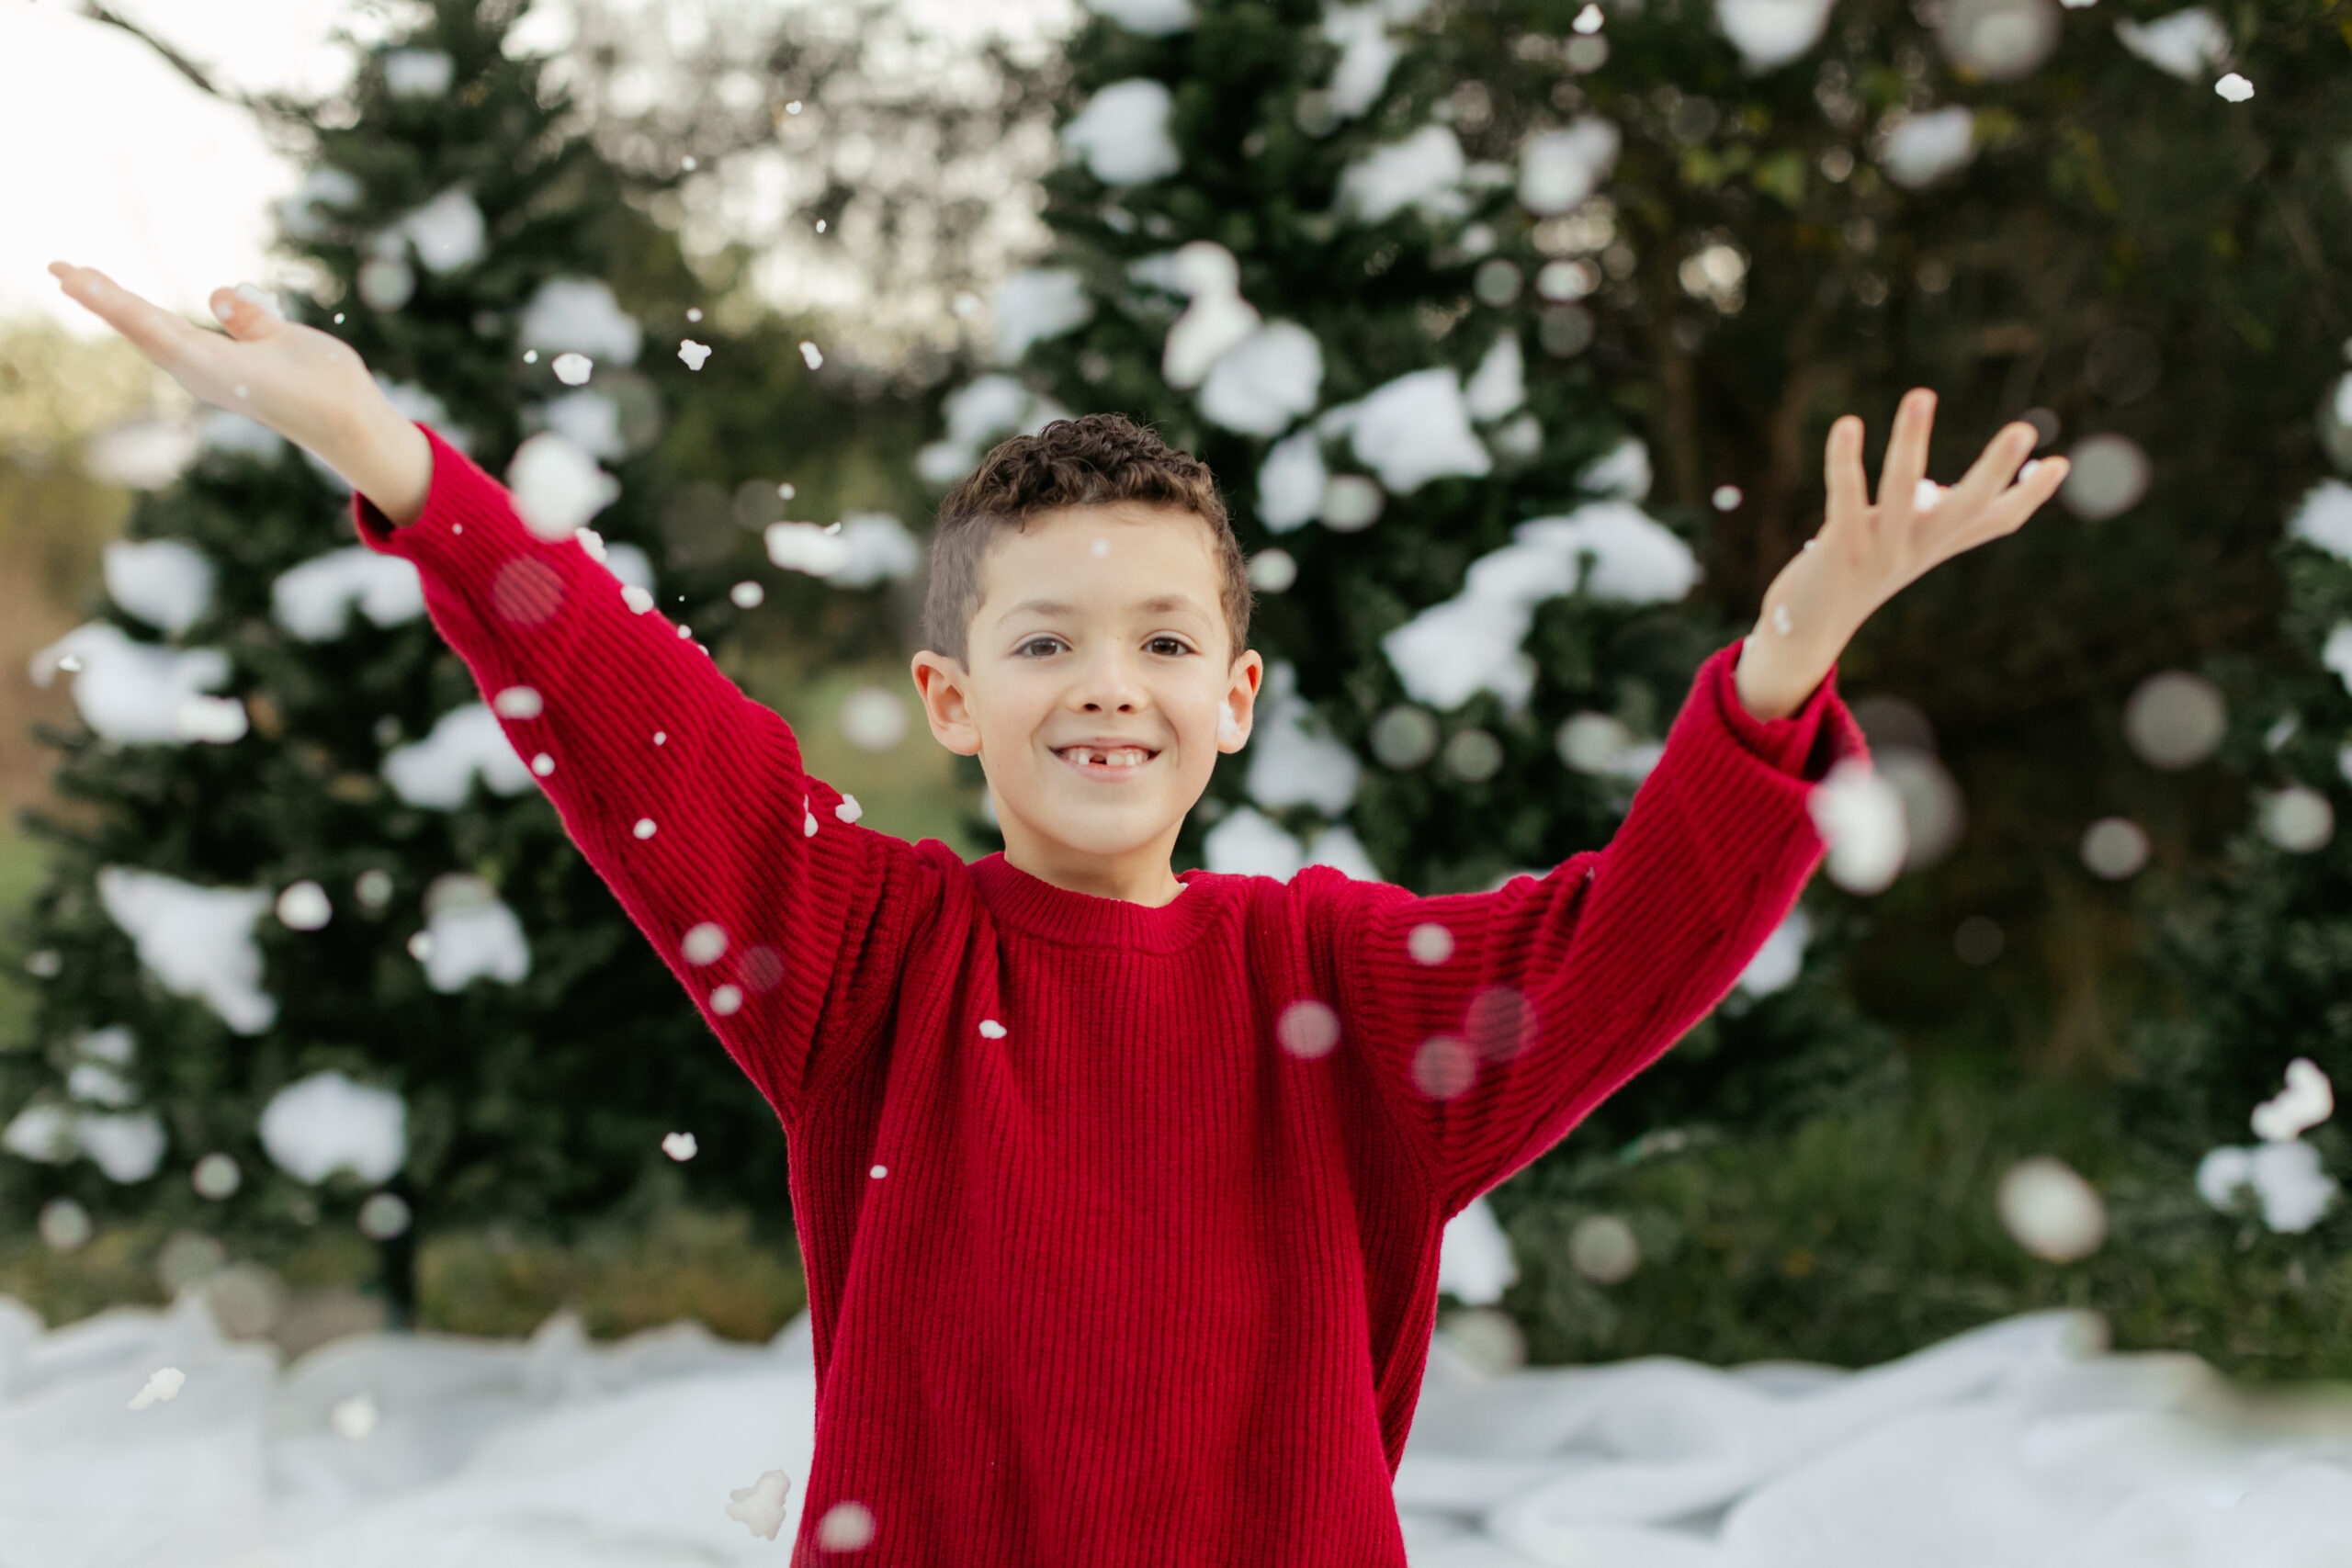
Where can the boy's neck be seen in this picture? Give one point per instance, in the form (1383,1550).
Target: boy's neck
(1152,885)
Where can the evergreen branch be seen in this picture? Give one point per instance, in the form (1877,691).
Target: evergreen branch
(99,11)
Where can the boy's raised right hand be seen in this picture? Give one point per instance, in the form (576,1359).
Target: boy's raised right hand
(308,386)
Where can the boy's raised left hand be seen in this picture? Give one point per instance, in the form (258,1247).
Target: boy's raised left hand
(1868,551)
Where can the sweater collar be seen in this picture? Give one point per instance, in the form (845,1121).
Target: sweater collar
(1026,903)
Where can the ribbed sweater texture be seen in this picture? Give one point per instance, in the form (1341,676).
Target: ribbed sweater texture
(1121,1223)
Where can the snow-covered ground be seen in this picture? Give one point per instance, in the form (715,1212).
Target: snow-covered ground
(2015,1446)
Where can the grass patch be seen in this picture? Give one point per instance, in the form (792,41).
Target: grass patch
(23,862)
(684,1263)
(688,1263)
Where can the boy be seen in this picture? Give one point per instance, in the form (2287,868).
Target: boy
(1119,1192)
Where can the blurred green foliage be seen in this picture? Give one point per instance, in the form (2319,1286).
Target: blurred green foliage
(1855,1237)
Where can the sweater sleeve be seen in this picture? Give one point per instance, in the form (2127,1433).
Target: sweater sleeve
(1498,1021)
(783,922)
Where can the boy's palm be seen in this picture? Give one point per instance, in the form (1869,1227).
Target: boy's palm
(1907,529)
(1868,550)
(306,385)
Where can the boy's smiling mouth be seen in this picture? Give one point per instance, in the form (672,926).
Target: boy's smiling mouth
(1105,762)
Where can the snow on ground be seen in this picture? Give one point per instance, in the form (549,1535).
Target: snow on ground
(2014,1446)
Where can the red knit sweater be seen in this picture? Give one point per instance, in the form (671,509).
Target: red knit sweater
(1121,1223)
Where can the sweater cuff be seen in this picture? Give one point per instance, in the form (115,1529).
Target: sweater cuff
(469,527)
(1804,744)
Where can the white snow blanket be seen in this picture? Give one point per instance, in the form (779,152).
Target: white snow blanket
(2014,1446)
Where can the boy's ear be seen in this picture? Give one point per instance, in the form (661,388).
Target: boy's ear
(1242,699)
(941,683)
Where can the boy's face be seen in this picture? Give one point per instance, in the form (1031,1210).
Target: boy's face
(1095,623)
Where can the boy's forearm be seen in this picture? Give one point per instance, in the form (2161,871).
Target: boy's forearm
(387,459)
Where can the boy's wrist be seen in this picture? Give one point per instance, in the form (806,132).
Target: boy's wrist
(1774,682)
(385,458)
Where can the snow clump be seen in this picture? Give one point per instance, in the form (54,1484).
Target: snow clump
(134,692)
(1411,430)
(981,412)
(326,1122)
(1290,763)
(1262,383)
(1771,33)
(1040,303)
(438,771)
(1471,642)
(1557,169)
(314,601)
(2186,44)
(1475,1261)
(197,942)
(1425,171)
(166,583)
(468,933)
(1921,148)
(1122,134)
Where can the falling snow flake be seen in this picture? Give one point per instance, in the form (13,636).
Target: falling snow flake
(811,355)
(845,1527)
(1860,817)
(355,1419)
(1121,133)
(1430,943)
(557,486)
(2306,1101)
(759,1506)
(694,353)
(679,1146)
(518,702)
(164,1383)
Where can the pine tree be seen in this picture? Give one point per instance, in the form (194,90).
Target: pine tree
(2240,1087)
(1287,240)
(2040,211)
(2127,222)
(319,867)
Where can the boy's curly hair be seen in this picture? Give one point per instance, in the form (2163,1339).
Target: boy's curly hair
(1096,460)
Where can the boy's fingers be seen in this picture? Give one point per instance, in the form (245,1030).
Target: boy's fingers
(1996,467)
(2014,506)
(1849,488)
(154,331)
(1907,454)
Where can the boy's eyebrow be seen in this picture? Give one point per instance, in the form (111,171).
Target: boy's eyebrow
(1056,607)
